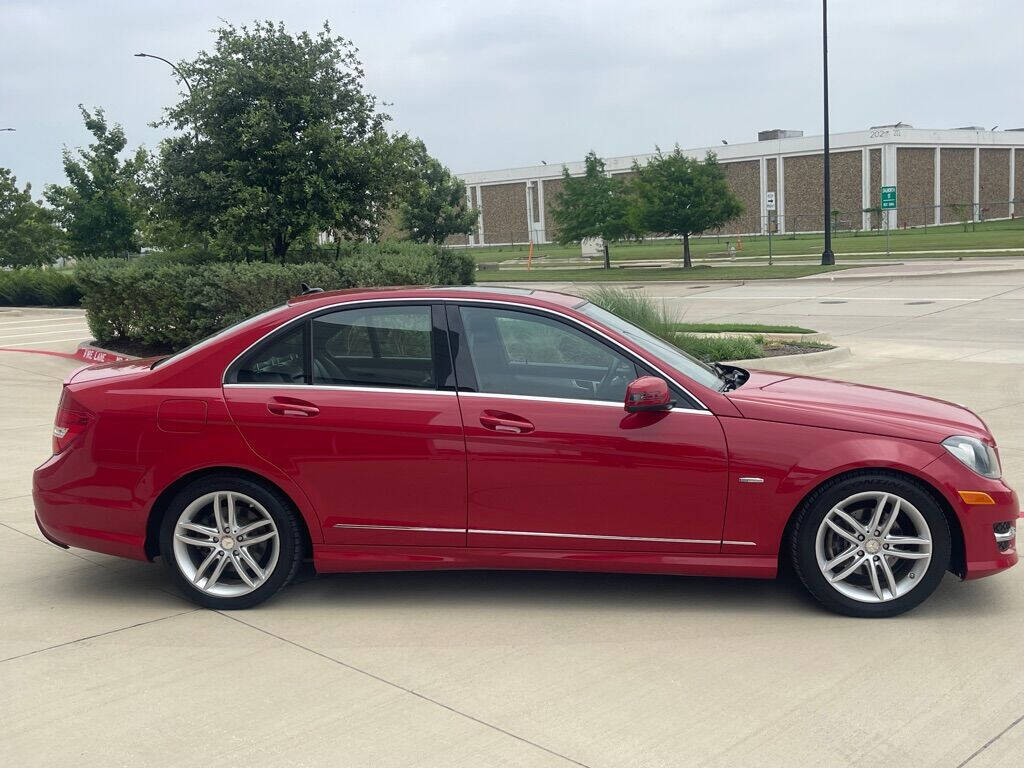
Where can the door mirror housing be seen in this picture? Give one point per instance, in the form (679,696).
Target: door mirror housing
(648,393)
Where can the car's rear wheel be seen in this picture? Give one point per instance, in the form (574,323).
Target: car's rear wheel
(230,542)
(871,545)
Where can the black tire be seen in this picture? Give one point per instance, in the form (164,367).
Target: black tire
(811,514)
(284,516)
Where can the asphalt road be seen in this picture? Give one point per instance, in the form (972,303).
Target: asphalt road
(100,664)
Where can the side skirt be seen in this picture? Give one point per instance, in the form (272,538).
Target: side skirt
(332,558)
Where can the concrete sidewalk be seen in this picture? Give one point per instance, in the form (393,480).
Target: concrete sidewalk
(101,664)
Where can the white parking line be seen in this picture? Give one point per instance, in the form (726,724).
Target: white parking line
(26,328)
(823,297)
(44,341)
(64,319)
(43,333)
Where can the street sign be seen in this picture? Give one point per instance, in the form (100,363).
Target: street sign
(888,197)
(769,201)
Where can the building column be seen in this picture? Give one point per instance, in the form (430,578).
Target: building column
(541,219)
(937,186)
(780,193)
(977,184)
(529,211)
(481,240)
(1013,180)
(889,180)
(865,188)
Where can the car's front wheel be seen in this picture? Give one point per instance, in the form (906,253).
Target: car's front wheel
(870,545)
(230,542)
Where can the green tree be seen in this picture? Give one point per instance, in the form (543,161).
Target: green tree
(593,205)
(433,204)
(101,207)
(28,237)
(278,141)
(683,196)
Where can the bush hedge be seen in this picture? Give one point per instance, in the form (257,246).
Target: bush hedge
(170,303)
(38,287)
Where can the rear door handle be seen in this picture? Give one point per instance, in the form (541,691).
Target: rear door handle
(505,422)
(281,408)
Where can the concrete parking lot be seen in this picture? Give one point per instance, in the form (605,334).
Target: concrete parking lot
(102,664)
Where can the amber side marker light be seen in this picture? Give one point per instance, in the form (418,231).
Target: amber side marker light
(977,498)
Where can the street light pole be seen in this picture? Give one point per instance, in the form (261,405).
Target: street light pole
(184,79)
(827,257)
(171,65)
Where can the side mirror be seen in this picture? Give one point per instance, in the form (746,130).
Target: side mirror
(648,393)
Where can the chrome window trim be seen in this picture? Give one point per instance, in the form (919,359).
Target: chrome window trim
(592,329)
(437,300)
(295,320)
(321,387)
(572,401)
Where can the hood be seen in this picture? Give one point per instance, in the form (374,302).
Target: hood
(111,370)
(854,407)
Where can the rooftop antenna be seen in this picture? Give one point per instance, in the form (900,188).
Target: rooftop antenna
(306,290)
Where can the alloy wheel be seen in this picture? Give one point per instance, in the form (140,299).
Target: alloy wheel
(226,544)
(873,547)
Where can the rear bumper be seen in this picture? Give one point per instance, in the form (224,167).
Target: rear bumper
(87,513)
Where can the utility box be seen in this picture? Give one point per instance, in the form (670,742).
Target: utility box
(593,248)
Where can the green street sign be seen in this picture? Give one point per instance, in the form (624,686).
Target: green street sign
(888,197)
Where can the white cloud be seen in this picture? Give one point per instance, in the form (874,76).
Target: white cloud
(498,83)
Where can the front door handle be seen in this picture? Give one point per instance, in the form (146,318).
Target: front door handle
(507,423)
(289,407)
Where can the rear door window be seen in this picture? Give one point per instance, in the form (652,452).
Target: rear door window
(374,347)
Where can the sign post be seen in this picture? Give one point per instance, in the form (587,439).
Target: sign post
(769,206)
(888,204)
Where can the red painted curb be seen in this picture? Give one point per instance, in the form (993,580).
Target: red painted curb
(90,354)
(86,352)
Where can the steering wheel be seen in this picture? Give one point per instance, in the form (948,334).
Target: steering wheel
(609,376)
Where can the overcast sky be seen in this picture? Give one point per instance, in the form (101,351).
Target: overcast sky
(494,84)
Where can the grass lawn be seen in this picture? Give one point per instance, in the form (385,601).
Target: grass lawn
(620,274)
(989,234)
(737,328)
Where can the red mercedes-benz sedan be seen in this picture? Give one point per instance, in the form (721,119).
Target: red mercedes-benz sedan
(483,428)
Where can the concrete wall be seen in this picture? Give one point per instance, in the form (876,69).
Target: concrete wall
(994,183)
(805,198)
(915,178)
(957,179)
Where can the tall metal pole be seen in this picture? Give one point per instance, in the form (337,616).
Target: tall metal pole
(827,257)
(177,71)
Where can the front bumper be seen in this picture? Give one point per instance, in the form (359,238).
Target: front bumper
(983,555)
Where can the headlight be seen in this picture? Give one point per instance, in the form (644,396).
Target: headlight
(979,456)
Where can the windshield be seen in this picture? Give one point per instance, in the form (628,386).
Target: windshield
(217,334)
(690,366)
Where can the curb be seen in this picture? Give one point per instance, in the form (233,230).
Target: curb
(796,363)
(817,336)
(845,274)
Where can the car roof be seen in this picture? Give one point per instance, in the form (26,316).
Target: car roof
(452,292)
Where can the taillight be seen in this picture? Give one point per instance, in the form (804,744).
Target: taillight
(72,420)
